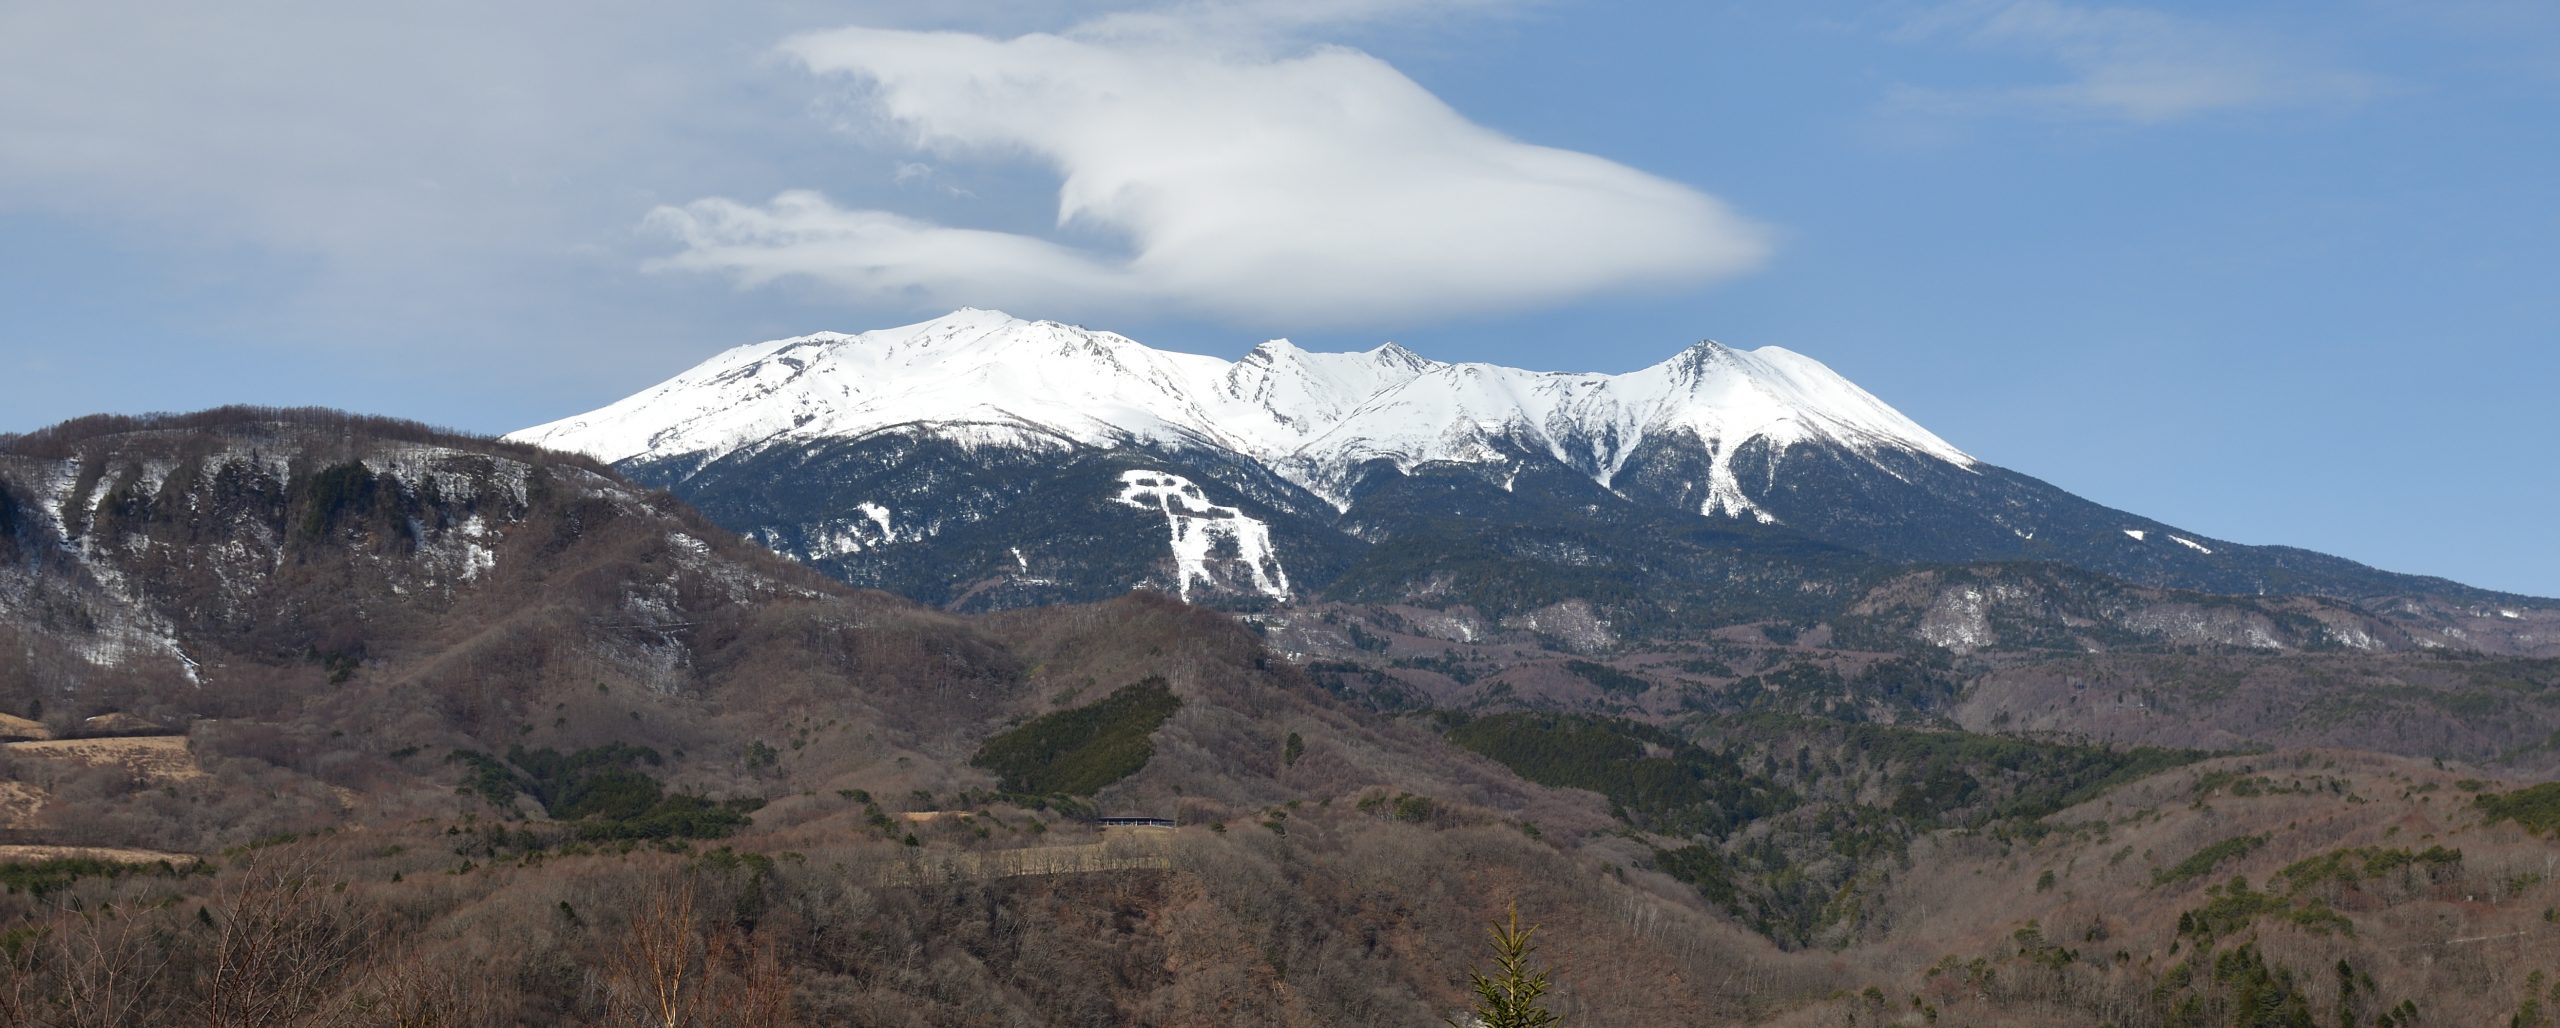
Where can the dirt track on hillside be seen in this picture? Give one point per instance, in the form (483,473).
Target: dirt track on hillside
(1119,850)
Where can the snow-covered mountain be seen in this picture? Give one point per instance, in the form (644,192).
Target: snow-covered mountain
(982,377)
(983,460)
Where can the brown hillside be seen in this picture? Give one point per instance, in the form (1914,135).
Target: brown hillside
(483,735)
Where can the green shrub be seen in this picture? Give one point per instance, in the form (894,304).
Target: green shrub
(1609,679)
(2537,807)
(2203,861)
(2231,908)
(1683,790)
(2234,906)
(603,789)
(2354,866)
(1703,868)
(40,878)
(680,816)
(1077,752)
(1944,771)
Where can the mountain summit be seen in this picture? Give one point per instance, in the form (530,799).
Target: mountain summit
(984,377)
(979,459)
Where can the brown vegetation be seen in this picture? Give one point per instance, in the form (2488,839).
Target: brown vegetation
(1335,863)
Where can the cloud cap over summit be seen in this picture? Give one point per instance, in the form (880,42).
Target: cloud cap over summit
(1233,183)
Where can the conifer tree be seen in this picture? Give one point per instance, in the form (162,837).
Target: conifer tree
(1508,998)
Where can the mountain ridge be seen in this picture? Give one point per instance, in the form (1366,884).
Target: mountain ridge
(1305,414)
(983,461)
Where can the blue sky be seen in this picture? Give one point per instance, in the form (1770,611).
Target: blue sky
(2275,272)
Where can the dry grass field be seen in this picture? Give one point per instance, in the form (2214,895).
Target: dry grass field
(31,770)
(12,854)
(154,758)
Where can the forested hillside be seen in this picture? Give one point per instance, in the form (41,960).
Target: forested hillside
(321,719)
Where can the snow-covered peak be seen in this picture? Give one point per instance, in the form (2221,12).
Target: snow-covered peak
(1010,379)
(1701,358)
(1395,355)
(1774,393)
(1301,393)
(983,376)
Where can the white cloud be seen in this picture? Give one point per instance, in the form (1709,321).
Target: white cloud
(1227,172)
(2126,64)
(453,172)
(1224,24)
(459,169)
(920,174)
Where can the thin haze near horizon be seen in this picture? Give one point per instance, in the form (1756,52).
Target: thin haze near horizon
(2279,274)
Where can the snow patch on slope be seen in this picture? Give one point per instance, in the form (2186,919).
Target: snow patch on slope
(477,558)
(879,515)
(1958,620)
(1724,491)
(872,527)
(1196,526)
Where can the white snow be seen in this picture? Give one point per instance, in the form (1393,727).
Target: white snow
(879,515)
(477,561)
(1195,525)
(1018,560)
(1724,492)
(477,558)
(834,539)
(2192,544)
(872,528)
(984,378)
(2135,533)
(1957,621)
(55,495)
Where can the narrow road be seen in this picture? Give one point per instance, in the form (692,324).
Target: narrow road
(1129,849)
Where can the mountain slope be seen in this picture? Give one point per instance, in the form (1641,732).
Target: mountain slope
(388,651)
(984,377)
(976,459)
(399,656)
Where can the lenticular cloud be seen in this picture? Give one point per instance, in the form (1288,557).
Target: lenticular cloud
(1321,187)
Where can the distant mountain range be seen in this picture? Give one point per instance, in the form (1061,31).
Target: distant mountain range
(979,460)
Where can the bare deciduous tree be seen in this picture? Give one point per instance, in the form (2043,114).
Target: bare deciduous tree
(755,985)
(106,970)
(657,977)
(284,938)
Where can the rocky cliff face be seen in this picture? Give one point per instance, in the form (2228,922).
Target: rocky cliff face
(201,554)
